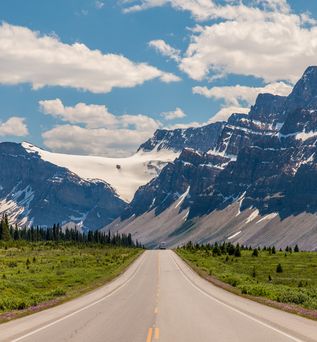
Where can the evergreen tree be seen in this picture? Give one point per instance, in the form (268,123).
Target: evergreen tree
(255,252)
(231,249)
(5,229)
(237,252)
(296,249)
(279,268)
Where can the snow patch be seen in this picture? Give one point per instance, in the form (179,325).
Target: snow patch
(234,235)
(182,198)
(133,172)
(252,217)
(305,136)
(268,217)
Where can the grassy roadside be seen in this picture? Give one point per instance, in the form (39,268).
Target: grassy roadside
(35,276)
(293,290)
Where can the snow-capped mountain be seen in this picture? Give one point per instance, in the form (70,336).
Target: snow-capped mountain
(125,175)
(252,180)
(259,174)
(34,191)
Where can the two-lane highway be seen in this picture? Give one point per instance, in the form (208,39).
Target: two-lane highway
(160,299)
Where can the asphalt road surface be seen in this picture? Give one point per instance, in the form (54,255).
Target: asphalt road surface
(160,299)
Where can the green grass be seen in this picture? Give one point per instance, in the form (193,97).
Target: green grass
(32,273)
(257,276)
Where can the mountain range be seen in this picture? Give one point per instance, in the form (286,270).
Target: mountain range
(250,180)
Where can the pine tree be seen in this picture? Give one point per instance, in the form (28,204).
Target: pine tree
(5,229)
(237,252)
(255,252)
(279,268)
(296,249)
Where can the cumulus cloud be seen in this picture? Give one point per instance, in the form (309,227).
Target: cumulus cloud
(98,141)
(261,38)
(42,60)
(92,129)
(172,115)
(200,9)
(165,49)
(270,45)
(237,95)
(14,126)
(203,10)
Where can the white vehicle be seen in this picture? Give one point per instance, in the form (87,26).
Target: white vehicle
(162,245)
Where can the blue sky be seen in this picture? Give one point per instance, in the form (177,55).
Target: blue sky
(142,65)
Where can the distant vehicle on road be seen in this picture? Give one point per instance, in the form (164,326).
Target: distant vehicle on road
(162,245)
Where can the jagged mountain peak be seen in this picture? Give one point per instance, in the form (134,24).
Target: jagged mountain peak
(267,108)
(304,93)
(199,138)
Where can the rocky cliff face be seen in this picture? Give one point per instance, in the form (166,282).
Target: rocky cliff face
(266,159)
(200,139)
(33,191)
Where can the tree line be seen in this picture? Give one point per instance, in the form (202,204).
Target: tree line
(56,233)
(227,248)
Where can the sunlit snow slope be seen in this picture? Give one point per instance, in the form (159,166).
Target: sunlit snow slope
(125,175)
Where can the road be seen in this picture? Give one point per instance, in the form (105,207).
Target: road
(159,298)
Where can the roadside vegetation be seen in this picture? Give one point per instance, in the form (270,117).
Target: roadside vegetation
(40,268)
(285,276)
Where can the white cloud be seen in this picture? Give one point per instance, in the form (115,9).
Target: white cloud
(165,49)
(99,4)
(203,10)
(28,57)
(225,113)
(95,116)
(222,115)
(99,141)
(261,38)
(172,115)
(200,9)
(92,129)
(271,45)
(186,125)
(237,95)
(14,126)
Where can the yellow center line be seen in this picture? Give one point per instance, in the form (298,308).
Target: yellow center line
(157,333)
(149,335)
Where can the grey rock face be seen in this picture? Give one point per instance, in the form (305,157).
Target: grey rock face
(201,139)
(256,157)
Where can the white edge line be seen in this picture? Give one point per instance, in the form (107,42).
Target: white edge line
(232,308)
(81,309)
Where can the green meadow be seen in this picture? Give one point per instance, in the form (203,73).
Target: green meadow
(44,272)
(284,277)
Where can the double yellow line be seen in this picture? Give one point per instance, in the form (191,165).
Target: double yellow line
(155,331)
(150,334)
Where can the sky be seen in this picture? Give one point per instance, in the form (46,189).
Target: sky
(98,77)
